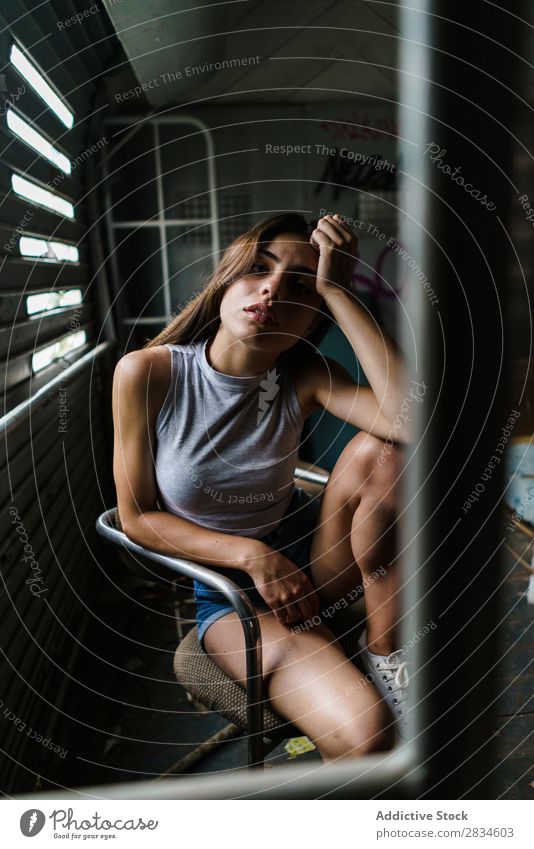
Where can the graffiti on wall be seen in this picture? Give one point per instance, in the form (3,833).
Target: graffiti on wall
(360,126)
(349,170)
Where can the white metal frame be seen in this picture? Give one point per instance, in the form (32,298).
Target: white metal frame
(162,222)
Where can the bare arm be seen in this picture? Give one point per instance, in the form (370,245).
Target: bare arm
(381,405)
(380,359)
(326,384)
(140,383)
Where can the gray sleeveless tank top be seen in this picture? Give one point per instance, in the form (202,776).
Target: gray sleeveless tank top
(226,446)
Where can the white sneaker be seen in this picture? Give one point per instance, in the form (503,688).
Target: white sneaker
(389,674)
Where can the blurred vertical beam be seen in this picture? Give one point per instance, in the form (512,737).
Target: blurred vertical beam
(458,78)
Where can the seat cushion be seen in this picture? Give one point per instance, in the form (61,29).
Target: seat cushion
(199,675)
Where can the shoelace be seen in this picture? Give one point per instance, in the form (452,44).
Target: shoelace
(398,670)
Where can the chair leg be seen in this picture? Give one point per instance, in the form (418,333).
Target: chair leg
(254,697)
(256,751)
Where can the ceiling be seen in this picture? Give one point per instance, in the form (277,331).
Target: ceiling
(275,51)
(292,49)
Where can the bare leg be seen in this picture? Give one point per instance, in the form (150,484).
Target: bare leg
(354,541)
(309,682)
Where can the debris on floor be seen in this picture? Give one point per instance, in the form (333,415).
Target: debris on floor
(296,746)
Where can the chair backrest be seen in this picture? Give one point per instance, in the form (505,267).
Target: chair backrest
(109,526)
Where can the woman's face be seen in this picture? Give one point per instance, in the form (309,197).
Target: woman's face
(276,303)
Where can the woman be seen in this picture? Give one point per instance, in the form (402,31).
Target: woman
(208,420)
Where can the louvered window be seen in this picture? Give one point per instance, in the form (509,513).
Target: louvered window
(54,444)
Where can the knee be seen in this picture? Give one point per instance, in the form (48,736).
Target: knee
(370,468)
(382,455)
(380,741)
(355,740)
(371,454)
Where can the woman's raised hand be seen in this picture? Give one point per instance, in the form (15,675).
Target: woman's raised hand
(337,246)
(282,585)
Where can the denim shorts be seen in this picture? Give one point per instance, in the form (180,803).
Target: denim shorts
(292,538)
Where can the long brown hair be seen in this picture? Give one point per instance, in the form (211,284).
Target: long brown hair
(200,318)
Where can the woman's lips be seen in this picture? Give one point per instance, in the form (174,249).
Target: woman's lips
(260,315)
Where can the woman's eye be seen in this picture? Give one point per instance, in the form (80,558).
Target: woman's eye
(300,286)
(258,268)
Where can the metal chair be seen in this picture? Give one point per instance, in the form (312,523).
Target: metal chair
(195,670)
